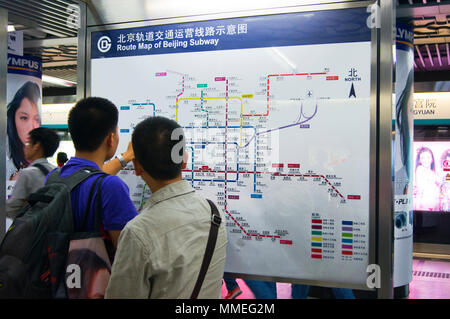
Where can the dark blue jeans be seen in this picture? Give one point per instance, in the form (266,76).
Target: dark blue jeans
(301,292)
(263,289)
(230,283)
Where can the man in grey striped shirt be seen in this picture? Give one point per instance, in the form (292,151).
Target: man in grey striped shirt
(41,143)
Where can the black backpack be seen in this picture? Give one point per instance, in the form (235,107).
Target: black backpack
(33,252)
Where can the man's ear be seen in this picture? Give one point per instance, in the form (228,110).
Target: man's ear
(37,146)
(137,168)
(110,139)
(185,160)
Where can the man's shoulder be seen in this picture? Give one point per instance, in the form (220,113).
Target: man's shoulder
(29,171)
(114,184)
(111,185)
(116,196)
(50,166)
(142,229)
(190,210)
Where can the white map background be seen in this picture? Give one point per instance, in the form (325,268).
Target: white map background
(273,138)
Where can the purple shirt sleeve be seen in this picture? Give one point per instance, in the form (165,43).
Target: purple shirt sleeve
(118,209)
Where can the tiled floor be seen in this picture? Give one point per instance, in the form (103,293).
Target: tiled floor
(283,290)
(431,280)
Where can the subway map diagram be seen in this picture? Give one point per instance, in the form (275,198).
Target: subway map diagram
(277,137)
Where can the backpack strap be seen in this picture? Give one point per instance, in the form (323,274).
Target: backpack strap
(98,211)
(97,217)
(212,238)
(73,180)
(38,197)
(42,168)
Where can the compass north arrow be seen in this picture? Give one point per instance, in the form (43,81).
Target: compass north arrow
(352,91)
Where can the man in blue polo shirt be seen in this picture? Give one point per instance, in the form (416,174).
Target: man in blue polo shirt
(93,127)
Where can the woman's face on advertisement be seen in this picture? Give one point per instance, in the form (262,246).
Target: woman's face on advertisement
(426,159)
(27,118)
(99,283)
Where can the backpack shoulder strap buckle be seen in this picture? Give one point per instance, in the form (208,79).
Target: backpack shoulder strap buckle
(216,219)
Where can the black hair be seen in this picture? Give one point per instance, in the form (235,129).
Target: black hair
(404,122)
(48,138)
(153,146)
(90,121)
(61,158)
(31,91)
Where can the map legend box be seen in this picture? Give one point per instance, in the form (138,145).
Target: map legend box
(316,238)
(347,238)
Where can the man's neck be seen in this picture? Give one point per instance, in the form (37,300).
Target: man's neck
(96,157)
(31,160)
(156,185)
(36,157)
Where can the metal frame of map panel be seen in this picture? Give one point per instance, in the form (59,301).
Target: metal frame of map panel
(82,56)
(3,116)
(374,98)
(373,218)
(385,203)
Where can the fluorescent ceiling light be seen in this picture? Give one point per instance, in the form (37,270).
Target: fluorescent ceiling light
(11,28)
(57,81)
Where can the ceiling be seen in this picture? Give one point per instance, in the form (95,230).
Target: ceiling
(48,36)
(431,22)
